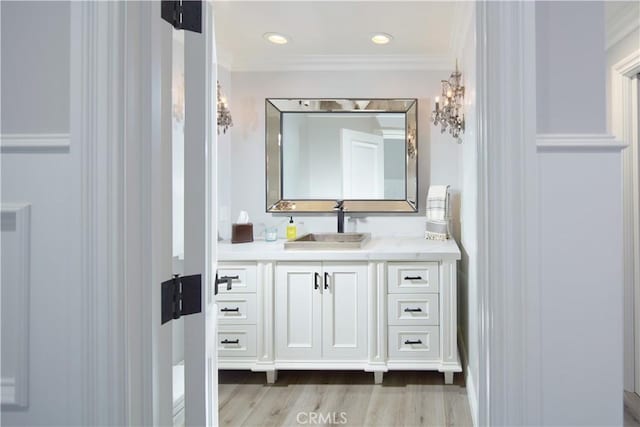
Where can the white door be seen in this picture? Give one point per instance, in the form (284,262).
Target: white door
(199,401)
(344,311)
(298,302)
(362,165)
(201,371)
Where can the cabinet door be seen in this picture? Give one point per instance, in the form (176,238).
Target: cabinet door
(298,315)
(344,319)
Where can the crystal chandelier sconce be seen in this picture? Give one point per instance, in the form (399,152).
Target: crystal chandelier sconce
(449,112)
(224,115)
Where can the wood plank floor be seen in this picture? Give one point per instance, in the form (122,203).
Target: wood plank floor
(404,399)
(631,410)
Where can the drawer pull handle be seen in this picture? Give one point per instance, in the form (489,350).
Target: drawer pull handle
(412,277)
(326,280)
(225,310)
(225,341)
(225,279)
(316,277)
(409,342)
(412,310)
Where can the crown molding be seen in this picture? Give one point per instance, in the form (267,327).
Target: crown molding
(629,65)
(393,133)
(343,63)
(622,23)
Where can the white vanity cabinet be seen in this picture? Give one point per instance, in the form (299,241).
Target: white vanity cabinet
(298,311)
(237,309)
(388,306)
(320,311)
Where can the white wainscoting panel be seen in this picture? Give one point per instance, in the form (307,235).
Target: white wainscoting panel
(35,142)
(14,378)
(581,264)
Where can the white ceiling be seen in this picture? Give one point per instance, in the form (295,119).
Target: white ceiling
(336,34)
(621,18)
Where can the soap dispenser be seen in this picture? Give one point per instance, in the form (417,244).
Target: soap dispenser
(291,229)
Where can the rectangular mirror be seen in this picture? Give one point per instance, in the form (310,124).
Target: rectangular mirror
(362,151)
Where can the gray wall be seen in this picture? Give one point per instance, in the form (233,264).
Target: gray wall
(36,100)
(35,67)
(570,69)
(580,224)
(438,154)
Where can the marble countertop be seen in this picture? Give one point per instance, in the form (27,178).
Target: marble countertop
(377,249)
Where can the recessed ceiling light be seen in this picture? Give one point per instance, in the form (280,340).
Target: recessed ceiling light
(381,38)
(276,38)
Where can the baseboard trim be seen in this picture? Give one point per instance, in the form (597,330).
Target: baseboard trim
(35,142)
(469,383)
(472,397)
(570,142)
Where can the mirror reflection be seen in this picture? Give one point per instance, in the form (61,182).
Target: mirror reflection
(361,151)
(343,155)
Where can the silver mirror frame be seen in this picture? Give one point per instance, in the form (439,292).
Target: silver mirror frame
(274,107)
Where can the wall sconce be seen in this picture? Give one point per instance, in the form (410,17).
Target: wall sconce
(224,115)
(450,114)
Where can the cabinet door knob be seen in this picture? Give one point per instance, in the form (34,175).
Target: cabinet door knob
(412,310)
(409,342)
(326,280)
(316,278)
(412,277)
(226,310)
(225,341)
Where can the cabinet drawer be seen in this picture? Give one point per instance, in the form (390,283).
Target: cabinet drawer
(236,340)
(236,308)
(414,342)
(413,277)
(246,274)
(414,309)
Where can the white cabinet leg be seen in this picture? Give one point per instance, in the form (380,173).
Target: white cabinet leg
(448,377)
(272,376)
(377,377)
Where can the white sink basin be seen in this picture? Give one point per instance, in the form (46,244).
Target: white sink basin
(329,241)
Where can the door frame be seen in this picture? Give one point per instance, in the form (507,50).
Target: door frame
(117,335)
(124,137)
(509,383)
(200,250)
(97,94)
(624,125)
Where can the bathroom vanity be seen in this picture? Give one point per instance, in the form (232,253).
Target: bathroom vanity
(388,306)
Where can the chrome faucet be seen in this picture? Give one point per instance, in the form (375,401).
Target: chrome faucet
(339,207)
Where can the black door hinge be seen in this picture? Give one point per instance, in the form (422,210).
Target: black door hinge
(181,296)
(183,14)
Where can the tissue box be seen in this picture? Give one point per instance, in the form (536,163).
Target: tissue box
(241,233)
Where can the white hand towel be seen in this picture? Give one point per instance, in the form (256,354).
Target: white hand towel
(438,213)
(438,203)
